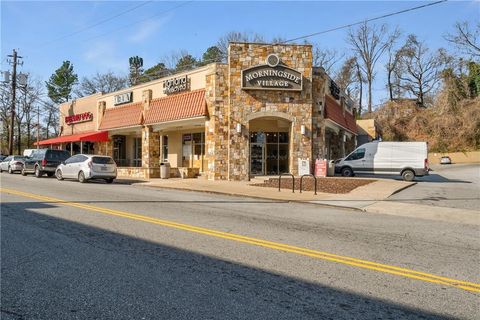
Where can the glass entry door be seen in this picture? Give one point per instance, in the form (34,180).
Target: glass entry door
(257,159)
(268,153)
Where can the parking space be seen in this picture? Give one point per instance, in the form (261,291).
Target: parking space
(454,186)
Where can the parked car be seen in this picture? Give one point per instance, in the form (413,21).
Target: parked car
(85,167)
(445,160)
(2,157)
(12,164)
(44,161)
(408,159)
(28,152)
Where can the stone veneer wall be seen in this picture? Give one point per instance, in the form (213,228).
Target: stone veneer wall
(318,117)
(244,104)
(216,128)
(132,172)
(151,152)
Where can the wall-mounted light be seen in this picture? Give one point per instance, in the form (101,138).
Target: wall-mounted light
(239,128)
(302,129)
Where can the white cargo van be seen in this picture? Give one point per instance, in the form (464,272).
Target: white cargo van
(408,159)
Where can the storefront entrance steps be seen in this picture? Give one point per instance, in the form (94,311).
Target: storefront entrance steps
(358,198)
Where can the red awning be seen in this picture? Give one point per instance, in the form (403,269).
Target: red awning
(97,136)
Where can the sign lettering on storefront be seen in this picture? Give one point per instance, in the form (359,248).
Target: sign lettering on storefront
(175,85)
(272,76)
(123,98)
(81,117)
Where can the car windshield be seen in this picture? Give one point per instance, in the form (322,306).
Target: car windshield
(18,158)
(102,160)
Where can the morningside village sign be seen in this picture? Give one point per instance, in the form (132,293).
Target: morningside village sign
(272,76)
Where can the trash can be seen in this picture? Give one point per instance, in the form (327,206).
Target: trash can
(164,170)
(331,168)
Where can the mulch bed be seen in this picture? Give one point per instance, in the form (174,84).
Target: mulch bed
(326,185)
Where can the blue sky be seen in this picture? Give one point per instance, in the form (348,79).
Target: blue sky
(41,30)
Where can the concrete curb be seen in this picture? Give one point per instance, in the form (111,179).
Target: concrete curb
(145,185)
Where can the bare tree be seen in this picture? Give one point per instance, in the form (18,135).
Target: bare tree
(235,36)
(326,58)
(5,108)
(349,78)
(369,43)
(465,39)
(392,64)
(106,82)
(419,73)
(31,95)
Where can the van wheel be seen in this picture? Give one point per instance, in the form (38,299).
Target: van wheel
(38,173)
(408,175)
(347,172)
(81,177)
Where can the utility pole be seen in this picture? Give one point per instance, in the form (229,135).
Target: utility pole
(14,62)
(38,126)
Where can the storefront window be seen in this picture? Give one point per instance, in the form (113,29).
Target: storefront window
(193,150)
(165,149)
(120,150)
(137,155)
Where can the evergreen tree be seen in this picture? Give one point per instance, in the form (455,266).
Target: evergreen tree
(187,62)
(61,82)
(136,69)
(213,54)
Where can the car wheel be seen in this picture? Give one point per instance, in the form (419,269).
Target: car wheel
(24,173)
(347,172)
(10,170)
(109,180)
(38,172)
(58,175)
(408,175)
(1,170)
(81,177)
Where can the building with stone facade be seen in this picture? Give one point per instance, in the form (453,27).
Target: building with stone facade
(260,113)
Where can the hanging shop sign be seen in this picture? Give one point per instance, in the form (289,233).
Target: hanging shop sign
(123,98)
(175,85)
(81,117)
(272,76)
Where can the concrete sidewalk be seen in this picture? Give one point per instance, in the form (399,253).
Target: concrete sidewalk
(371,198)
(357,198)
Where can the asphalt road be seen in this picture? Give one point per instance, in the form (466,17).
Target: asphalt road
(82,254)
(455,186)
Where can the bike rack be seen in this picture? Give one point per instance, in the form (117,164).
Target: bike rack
(280,179)
(314,181)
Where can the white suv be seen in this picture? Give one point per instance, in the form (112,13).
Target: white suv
(85,167)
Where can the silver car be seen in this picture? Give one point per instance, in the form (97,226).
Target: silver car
(12,164)
(85,167)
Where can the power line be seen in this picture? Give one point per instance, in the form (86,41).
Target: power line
(365,21)
(142,20)
(96,24)
(185,67)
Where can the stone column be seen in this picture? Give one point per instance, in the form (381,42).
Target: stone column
(150,152)
(101,106)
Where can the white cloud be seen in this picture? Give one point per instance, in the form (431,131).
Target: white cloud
(147,29)
(104,56)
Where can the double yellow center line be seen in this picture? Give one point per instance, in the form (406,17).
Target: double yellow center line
(403,272)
